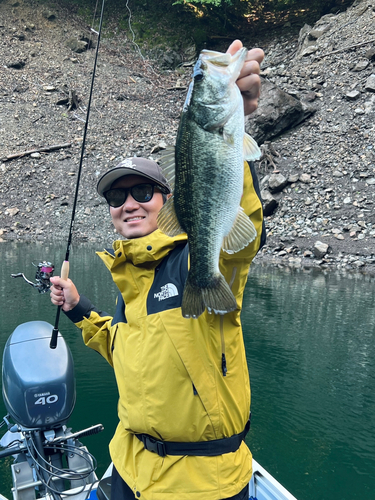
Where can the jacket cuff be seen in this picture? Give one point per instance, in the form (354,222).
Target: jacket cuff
(81,310)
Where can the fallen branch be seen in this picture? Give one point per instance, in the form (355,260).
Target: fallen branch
(346,48)
(37,150)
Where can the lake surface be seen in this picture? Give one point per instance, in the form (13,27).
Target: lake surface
(310,342)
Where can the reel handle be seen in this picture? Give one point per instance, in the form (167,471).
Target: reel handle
(55,331)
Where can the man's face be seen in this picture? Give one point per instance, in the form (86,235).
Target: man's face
(134,219)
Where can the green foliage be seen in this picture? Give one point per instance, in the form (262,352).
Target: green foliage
(177,24)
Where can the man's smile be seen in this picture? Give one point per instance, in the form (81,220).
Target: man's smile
(132,219)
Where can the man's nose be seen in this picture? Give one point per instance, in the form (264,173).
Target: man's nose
(130,203)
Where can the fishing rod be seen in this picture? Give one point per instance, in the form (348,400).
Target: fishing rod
(65,266)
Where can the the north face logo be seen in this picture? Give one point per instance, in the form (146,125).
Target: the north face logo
(167,291)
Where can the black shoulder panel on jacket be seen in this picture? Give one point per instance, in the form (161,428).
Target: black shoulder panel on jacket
(119,316)
(169,281)
(110,251)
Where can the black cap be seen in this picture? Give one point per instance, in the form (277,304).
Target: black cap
(134,166)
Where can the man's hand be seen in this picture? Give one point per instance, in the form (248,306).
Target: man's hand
(64,293)
(249,80)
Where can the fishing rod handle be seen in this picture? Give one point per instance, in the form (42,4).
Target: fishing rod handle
(65,270)
(64,275)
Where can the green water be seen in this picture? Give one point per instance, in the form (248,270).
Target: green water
(310,345)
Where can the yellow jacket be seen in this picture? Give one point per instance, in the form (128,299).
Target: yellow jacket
(169,369)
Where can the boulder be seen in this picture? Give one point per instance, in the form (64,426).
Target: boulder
(320,249)
(276,113)
(277,183)
(269,202)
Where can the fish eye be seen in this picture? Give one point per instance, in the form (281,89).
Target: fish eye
(198,76)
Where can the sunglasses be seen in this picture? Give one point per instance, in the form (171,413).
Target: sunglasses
(142,193)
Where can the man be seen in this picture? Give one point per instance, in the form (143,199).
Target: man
(184,393)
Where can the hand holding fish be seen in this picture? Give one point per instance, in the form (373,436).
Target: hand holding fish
(249,80)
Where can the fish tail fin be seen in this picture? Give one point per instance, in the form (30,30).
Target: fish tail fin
(217,297)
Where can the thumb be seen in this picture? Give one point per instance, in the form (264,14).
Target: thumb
(57,281)
(234,47)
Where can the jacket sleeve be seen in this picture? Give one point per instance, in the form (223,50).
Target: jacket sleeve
(95,326)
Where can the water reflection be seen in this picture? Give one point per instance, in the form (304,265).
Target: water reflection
(310,348)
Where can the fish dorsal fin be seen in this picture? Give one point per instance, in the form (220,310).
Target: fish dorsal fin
(167,219)
(251,149)
(242,233)
(167,164)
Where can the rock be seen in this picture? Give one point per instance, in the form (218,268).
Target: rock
(370,83)
(353,95)
(277,183)
(309,50)
(76,45)
(305,178)
(277,112)
(370,54)
(159,147)
(16,64)
(337,173)
(170,59)
(48,14)
(308,254)
(318,32)
(361,65)
(320,249)
(293,178)
(13,211)
(269,202)
(358,263)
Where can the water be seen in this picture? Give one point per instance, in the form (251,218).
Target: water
(310,346)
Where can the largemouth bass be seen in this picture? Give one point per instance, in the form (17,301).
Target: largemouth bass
(206,169)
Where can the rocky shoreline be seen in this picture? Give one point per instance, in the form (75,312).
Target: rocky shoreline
(317,174)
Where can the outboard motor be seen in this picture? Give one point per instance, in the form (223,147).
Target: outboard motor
(38,382)
(39,394)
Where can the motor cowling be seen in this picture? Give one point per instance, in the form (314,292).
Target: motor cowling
(38,382)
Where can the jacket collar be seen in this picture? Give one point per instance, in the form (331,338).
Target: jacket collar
(150,248)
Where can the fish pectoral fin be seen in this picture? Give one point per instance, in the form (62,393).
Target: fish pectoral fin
(167,219)
(242,233)
(251,149)
(228,138)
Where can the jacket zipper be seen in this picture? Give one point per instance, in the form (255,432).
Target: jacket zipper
(224,368)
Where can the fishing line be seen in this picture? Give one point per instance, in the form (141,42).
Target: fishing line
(65,265)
